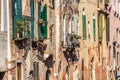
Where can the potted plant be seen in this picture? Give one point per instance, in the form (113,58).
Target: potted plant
(20,28)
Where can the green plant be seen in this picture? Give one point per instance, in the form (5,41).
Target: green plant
(107,1)
(77,36)
(20,26)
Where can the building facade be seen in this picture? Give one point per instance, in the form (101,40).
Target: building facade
(113,47)
(60,39)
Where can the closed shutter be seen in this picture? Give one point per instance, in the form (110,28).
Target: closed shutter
(84,26)
(43,28)
(94,29)
(100,27)
(107,29)
(18,10)
(32,17)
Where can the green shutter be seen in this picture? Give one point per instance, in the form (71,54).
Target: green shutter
(94,29)
(43,16)
(107,29)
(13,19)
(16,15)
(100,27)
(84,26)
(19,10)
(39,17)
(32,17)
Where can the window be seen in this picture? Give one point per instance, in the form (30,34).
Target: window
(107,29)
(114,51)
(65,29)
(19,71)
(42,25)
(75,24)
(82,69)
(117,58)
(84,24)
(104,62)
(36,70)
(100,32)
(94,27)
(89,30)
(27,25)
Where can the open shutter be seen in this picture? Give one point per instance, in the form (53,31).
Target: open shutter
(100,27)
(16,15)
(107,29)
(84,26)
(32,17)
(43,28)
(94,29)
(39,17)
(13,19)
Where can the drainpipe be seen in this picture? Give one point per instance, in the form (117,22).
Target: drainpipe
(9,55)
(57,29)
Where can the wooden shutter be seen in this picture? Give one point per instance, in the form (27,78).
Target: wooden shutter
(32,17)
(94,29)
(43,28)
(39,17)
(16,15)
(13,19)
(100,27)
(84,26)
(107,29)
(19,10)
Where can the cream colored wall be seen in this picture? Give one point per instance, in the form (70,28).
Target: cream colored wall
(90,8)
(36,20)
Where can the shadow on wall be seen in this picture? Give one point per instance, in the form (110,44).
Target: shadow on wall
(2,75)
(70,55)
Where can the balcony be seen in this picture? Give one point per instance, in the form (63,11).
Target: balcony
(70,52)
